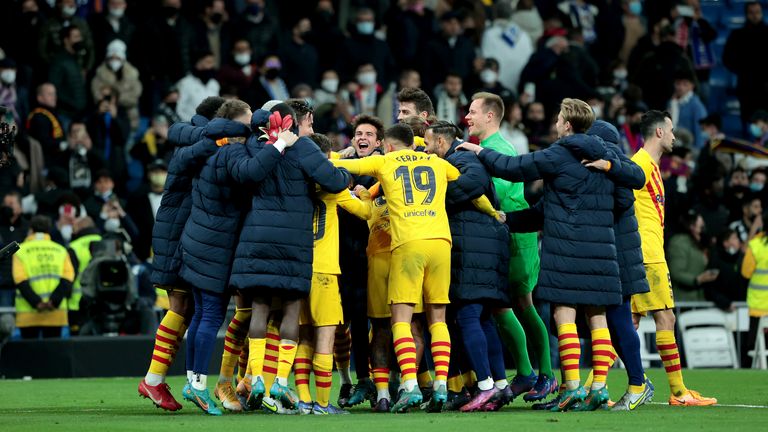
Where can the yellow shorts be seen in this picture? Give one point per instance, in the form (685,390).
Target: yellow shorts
(378,294)
(420,268)
(660,296)
(323,308)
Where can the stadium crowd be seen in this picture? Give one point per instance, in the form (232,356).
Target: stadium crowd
(106,93)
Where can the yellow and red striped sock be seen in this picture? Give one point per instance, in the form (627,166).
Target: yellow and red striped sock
(286,356)
(256,349)
(166,345)
(342,347)
(302,367)
(670,356)
(179,339)
(242,361)
(270,354)
(602,356)
(233,343)
(441,350)
(323,366)
(570,353)
(380,378)
(405,350)
(591,376)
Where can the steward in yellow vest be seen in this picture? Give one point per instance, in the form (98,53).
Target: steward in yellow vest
(43,274)
(755,268)
(85,234)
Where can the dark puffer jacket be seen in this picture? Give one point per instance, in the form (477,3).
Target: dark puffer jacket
(274,255)
(480,251)
(219,202)
(628,248)
(578,262)
(176,204)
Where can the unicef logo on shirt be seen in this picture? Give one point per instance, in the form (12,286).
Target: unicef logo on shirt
(431,213)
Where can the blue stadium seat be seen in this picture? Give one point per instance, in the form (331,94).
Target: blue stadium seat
(732,126)
(712,11)
(733,19)
(722,77)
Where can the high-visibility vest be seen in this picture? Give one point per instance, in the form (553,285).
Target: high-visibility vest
(42,264)
(757,293)
(82,248)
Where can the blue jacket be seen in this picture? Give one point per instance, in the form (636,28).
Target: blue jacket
(177,199)
(219,201)
(480,251)
(578,256)
(275,249)
(628,248)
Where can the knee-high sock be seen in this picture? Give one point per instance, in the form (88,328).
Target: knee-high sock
(271,354)
(256,351)
(194,324)
(242,362)
(441,351)
(626,341)
(514,337)
(591,377)
(323,365)
(475,345)
(603,356)
(302,367)
(166,344)
(286,356)
(570,353)
(342,347)
(233,343)
(405,351)
(537,333)
(665,342)
(381,381)
(495,350)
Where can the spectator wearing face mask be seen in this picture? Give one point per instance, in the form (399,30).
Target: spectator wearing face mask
(258,27)
(167,107)
(109,25)
(108,128)
(197,85)
(487,80)
(68,75)
(269,85)
(117,73)
(725,258)
(213,30)
(363,47)
(143,205)
(736,192)
(69,210)
(51,42)
(154,145)
(687,259)
(240,68)
(13,96)
(451,51)
(508,43)
(329,88)
(365,93)
(83,160)
(300,59)
(106,209)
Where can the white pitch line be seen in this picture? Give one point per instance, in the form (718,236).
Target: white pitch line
(722,405)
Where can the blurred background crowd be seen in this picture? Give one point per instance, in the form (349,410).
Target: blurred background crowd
(93,86)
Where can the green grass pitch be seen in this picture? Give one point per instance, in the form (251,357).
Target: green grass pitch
(113,404)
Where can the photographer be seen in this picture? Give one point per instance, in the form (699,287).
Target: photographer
(108,128)
(83,161)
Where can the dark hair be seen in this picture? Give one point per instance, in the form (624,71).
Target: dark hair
(400,132)
(747,5)
(418,97)
(491,102)
(417,124)
(322,141)
(370,120)
(748,198)
(758,171)
(445,128)
(725,235)
(66,31)
(40,224)
(302,108)
(651,120)
(232,109)
(209,106)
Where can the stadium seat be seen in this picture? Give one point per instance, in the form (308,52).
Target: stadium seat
(707,342)
(733,19)
(647,326)
(760,353)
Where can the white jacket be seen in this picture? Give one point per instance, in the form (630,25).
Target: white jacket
(192,91)
(506,42)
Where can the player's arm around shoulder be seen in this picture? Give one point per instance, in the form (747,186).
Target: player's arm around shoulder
(360,207)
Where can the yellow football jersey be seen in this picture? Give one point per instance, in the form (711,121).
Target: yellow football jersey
(415,185)
(649,209)
(325,225)
(379,234)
